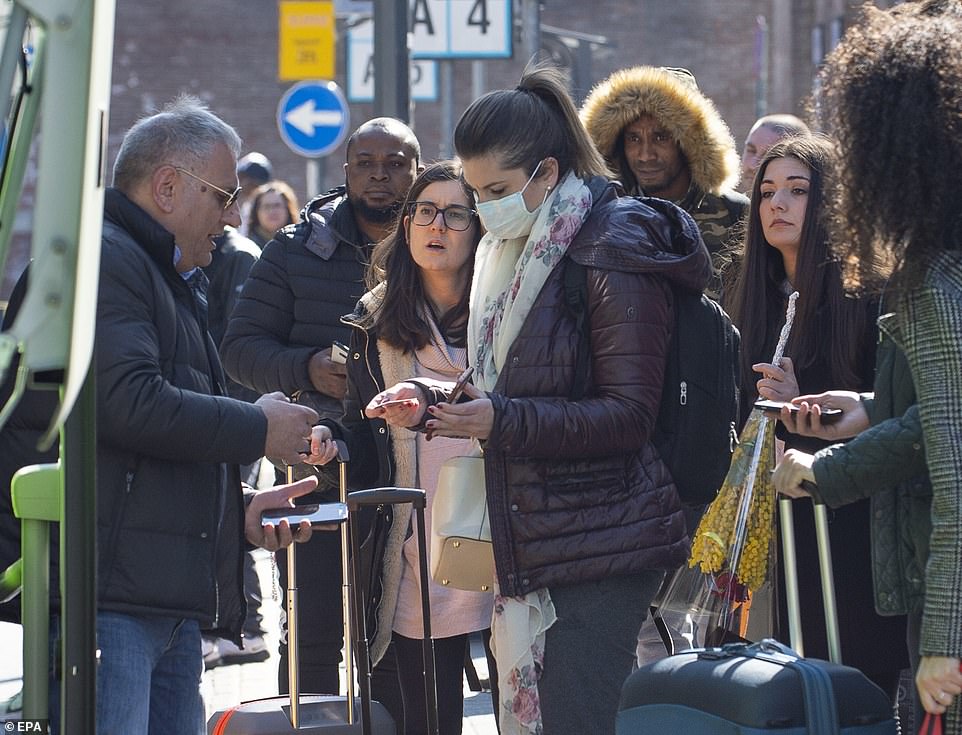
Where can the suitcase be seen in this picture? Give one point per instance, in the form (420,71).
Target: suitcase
(328,713)
(751,689)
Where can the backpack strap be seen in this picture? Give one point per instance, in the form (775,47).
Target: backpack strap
(576,299)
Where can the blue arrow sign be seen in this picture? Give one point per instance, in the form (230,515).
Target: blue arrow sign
(313,118)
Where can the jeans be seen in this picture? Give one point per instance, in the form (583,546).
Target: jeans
(148,680)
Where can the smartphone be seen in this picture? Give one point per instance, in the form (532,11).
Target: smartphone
(339,352)
(463,379)
(828,414)
(398,402)
(316,513)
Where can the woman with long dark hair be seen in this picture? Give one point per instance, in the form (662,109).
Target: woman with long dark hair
(832,344)
(413,323)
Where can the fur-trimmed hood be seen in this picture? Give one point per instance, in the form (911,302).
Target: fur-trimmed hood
(672,97)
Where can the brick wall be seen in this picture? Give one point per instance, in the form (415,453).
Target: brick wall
(225,52)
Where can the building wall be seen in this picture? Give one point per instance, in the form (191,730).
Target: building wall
(225,52)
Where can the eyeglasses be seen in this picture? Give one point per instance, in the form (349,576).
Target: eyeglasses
(455,217)
(228,196)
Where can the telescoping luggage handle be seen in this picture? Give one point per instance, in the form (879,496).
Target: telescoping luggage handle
(418,499)
(786,517)
(292,625)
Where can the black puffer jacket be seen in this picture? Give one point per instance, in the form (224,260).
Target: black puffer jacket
(170,513)
(306,279)
(575,489)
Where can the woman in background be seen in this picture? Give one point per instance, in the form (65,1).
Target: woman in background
(832,344)
(272,206)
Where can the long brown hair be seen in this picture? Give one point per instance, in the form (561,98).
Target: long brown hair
(828,326)
(397,318)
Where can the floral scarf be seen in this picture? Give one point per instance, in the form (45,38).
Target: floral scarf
(508,276)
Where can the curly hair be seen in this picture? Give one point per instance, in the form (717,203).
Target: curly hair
(398,317)
(828,325)
(891,94)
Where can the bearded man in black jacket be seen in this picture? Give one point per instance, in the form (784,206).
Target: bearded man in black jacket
(279,339)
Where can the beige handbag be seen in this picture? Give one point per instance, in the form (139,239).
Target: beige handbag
(461,551)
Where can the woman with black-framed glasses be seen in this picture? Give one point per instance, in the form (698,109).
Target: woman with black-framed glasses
(413,323)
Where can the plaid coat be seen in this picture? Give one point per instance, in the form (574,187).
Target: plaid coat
(928,328)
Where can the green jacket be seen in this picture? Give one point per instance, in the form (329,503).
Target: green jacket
(887,464)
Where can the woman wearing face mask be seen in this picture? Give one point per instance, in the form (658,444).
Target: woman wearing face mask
(584,515)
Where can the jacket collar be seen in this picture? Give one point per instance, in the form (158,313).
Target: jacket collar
(331,217)
(148,233)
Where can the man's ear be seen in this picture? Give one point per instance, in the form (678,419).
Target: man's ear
(163,186)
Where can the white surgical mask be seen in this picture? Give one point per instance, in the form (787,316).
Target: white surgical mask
(508,217)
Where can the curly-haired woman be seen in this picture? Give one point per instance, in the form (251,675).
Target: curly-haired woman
(892,95)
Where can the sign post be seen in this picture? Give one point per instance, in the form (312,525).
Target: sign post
(313,119)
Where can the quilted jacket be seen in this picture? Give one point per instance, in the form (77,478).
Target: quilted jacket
(576,490)
(887,464)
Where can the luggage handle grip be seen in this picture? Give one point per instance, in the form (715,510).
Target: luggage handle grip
(386,495)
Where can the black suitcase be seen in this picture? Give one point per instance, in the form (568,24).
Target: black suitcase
(751,689)
(327,713)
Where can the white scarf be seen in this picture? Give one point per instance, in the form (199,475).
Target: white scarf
(508,276)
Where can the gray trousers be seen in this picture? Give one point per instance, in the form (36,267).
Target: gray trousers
(589,651)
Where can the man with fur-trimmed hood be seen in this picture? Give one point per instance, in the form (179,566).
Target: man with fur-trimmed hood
(667,140)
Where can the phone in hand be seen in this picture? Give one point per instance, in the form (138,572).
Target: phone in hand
(828,415)
(462,381)
(339,352)
(397,402)
(317,513)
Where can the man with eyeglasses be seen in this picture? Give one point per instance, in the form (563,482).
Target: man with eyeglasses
(171,513)
(279,337)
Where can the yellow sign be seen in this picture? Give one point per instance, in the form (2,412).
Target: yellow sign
(306,33)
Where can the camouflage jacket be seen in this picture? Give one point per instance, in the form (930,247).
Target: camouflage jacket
(719,219)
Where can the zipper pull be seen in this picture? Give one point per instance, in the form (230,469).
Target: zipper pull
(683,398)
(130,480)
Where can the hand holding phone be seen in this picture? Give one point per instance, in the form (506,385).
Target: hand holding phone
(317,514)
(459,386)
(339,352)
(409,402)
(455,394)
(828,415)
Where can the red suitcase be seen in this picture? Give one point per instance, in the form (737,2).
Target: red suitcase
(327,713)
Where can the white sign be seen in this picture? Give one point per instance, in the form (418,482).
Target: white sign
(360,70)
(451,29)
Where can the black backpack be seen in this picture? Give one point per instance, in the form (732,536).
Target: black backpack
(695,431)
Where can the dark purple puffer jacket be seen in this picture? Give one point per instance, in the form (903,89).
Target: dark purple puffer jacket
(575,489)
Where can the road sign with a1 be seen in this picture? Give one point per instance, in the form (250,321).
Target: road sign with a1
(313,118)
